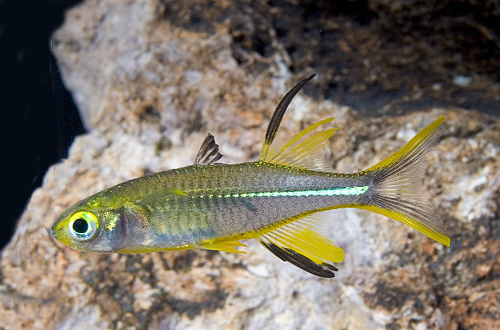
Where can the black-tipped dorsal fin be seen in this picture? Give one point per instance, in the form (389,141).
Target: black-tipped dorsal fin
(275,122)
(301,243)
(209,152)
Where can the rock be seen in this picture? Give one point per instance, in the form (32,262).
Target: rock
(149,91)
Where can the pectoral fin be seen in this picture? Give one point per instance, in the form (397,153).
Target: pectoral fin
(161,196)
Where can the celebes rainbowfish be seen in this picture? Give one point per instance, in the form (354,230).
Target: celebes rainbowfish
(274,200)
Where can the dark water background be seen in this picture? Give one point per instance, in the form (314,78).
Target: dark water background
(384,58)
(38,117)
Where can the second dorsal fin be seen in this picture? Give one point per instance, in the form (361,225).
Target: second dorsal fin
(304,149)
(209,152)
(278,114)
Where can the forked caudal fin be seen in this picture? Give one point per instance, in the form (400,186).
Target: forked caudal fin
(397,185)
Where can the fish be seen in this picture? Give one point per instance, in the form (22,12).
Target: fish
(277,200)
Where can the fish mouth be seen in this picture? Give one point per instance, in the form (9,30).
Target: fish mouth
(52,234)
(52,230)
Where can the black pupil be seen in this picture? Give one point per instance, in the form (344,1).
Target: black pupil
(80,226)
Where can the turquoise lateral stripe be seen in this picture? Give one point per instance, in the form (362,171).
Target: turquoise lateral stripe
(346,191)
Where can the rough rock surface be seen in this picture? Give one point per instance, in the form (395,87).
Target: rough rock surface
(149,91)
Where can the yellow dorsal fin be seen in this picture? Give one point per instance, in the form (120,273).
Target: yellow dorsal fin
(301,244)
(304,149)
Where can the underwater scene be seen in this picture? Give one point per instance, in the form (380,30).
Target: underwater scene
(283,164)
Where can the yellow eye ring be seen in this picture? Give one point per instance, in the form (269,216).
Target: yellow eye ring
(83,225)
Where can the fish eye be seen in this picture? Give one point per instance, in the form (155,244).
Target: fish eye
(83,225)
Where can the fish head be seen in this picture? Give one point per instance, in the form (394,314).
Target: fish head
(91,225)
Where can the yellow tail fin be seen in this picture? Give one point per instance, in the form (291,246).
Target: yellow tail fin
(397,186)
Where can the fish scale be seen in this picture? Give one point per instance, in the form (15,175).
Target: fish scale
(229,214)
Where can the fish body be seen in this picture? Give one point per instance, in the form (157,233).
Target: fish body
(220,201)
(275,200)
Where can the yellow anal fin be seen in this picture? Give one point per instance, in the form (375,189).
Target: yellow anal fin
(300,244)
(222,245)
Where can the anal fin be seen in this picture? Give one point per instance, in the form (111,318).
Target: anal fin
(301,261)
(301,244)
